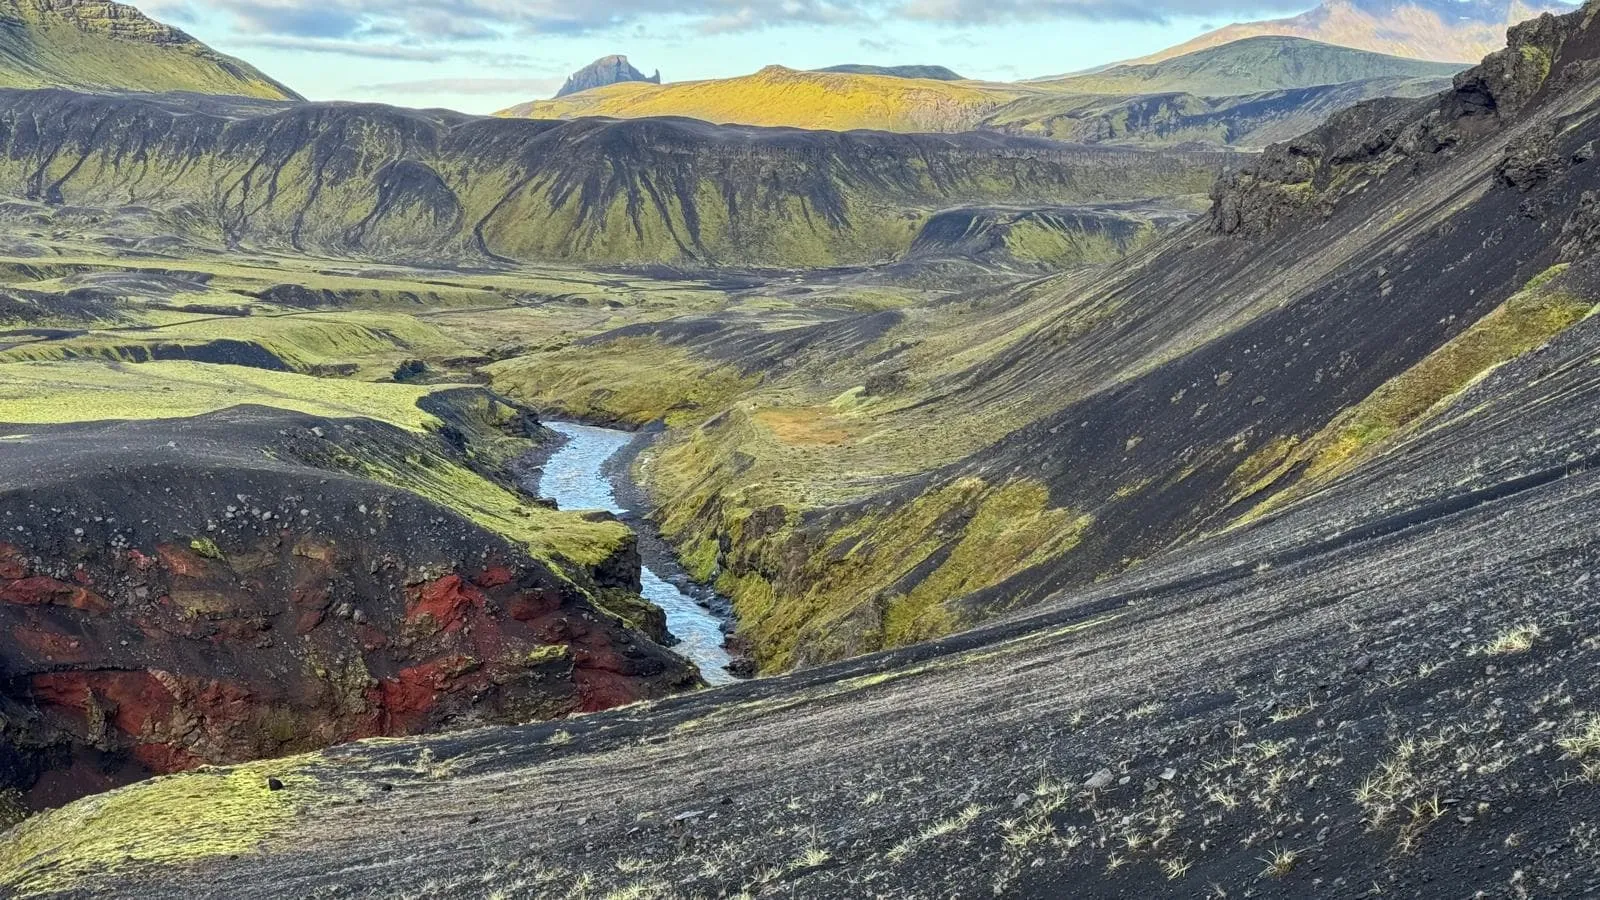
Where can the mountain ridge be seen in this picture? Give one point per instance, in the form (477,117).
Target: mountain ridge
(101,45)
(1436,30)
(778,96)
(607,70)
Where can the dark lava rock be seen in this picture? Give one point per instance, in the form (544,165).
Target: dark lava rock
(604,71)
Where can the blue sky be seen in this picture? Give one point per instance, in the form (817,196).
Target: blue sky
(484,55)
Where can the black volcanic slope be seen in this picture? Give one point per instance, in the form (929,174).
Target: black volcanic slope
(1329,628)
(1374,679)
(1342,289)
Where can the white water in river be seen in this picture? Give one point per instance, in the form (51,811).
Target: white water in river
(574,477)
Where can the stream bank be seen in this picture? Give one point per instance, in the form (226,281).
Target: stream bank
(590,471)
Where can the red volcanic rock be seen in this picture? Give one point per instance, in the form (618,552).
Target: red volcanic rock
(13,564)
(303,647)
(41,591)
(189,599)
(446,601)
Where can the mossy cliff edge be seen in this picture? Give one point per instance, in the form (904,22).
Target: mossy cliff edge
(240,564)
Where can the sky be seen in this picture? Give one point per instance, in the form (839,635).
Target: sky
(484,55)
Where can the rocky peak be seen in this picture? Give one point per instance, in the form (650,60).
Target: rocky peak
(1370,139)
(605,71)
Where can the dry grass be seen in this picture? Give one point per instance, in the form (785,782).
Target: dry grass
(1518,639)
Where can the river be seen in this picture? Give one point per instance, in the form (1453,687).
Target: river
(575,478)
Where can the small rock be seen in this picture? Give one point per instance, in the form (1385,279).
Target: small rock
(1169,773)
(688,815)
(1019,801)
(274,784)
(1100,780)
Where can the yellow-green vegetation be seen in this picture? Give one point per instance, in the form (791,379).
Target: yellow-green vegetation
(1518,639)
(85,391)
(371,343)
(178,819)
(1035,241)
(835,101)
(90,391)
(634,381)
(885,576)
(1251,66)
(105,46)
(206,547)
(1526,321)
(548,534)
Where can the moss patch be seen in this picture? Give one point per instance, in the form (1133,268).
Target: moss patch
(633,381)
(1526,321)
(84,391)
(177,819)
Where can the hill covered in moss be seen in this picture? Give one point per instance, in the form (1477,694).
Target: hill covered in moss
(100,45)
(1220,96)
(404,185)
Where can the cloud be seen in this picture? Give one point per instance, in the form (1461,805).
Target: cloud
(350,48)
(967,12)
(468,86)
(387,23)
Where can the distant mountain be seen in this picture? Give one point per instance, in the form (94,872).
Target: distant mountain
(607,70)
(386,183)
(1247,121)
(832,101)
(1442,30)
(1252,65)
(1244,94)
(936,73)
(96,45)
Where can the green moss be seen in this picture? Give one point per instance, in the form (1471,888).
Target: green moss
(206,547)
(548,534)
(886,576)
(91,391)
(174,820)
(370,343)
(84,391)
(633,380)
(1526,321)
(75,45)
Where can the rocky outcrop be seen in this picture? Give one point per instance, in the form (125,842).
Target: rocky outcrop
(604,71)
(1314,171)
(217,590)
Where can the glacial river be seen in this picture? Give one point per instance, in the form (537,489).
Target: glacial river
(575,478)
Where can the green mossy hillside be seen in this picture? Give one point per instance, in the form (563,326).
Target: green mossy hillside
(107,46)
(377,182)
